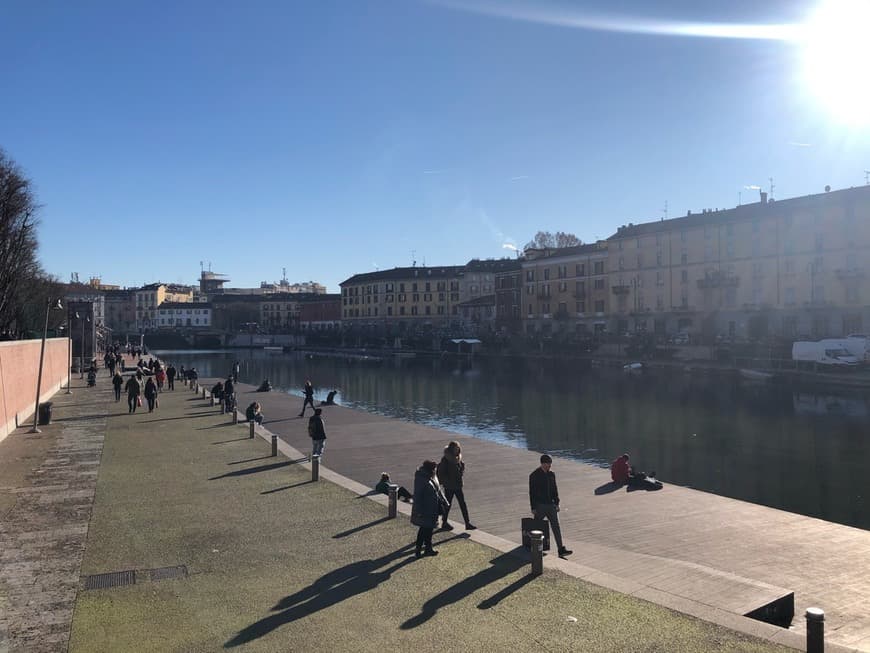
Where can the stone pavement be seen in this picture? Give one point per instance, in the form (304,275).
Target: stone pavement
(273,562)
(47,485)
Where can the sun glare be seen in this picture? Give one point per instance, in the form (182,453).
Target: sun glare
(836,53)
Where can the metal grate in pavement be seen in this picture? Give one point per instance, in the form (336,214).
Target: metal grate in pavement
(164,573)
(112,579)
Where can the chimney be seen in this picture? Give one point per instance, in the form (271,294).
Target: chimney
(763,197)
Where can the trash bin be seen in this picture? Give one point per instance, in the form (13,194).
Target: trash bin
(45,413)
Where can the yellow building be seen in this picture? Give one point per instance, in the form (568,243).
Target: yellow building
(785,268)
(402,300)
(148,298)
(565,290)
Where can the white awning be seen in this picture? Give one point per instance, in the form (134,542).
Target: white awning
(468,341)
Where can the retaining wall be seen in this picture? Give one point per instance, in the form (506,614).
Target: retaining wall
(19,367)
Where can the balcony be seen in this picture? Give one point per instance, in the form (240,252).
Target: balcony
(620,289)
(849,273)
(718,280)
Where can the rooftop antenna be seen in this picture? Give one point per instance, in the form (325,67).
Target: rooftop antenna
(201,269)
(867,177)
(209,266)
(665,210)
(771,187)
(413,260)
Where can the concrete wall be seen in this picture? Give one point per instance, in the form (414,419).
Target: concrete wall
(19,367)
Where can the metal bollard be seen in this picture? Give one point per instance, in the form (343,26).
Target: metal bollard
(815,630)
(235,417)
(537,539)
(274,445)
(251,426)
(393,493)
(212,400)
(203,393)
(315,468)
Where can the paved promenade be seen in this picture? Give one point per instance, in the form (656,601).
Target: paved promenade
(697,552)
(227,547)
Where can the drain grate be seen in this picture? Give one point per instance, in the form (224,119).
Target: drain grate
(112,579)
(164,573)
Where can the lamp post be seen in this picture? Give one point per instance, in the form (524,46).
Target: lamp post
(48,307)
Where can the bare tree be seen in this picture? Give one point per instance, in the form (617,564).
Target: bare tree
(19,267)
(547,240)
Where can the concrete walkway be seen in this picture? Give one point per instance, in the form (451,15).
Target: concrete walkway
(703,554)
(218,545)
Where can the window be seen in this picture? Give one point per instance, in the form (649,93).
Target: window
(415,297)
(546,274)
(401,288)
(599,284)
(427,297)
(530,309)
(580,270)
(581,307)
(414,287)
(684,257)
(563,286)
(621,263)
(401,297)
(684,276)
(530,275)
(428,286)
(440,310)
(599,306)
(389,311)
(580,287)
(401,310)
(428,310)
(598,267)
(563,271)
(659,258)
(660,278)
(530,290)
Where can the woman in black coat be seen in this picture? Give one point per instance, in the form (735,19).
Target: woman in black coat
(426,506)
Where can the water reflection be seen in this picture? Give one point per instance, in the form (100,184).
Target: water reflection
(803,452)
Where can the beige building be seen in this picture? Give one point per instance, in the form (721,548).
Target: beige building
(148,299)
(565,290)
(788,268)
(403,300)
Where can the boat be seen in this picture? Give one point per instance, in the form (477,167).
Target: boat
(755,375)
(634,367)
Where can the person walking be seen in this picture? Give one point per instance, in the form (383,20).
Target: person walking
(544,499)
(117,384)
(451,469)
(308,391)
(133,391)
(170,377)
(151,393)
(317,431)
(160,376)
(229,403)
(427,502)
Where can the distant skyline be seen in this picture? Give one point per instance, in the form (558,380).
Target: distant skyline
(333,138)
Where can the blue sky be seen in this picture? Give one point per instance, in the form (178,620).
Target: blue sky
(334,137)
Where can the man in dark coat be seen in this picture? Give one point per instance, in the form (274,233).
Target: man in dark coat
(544,499)
(317,431)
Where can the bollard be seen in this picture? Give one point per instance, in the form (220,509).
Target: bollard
(315,468)
(235,417)
(537,538)
(203,393)
(392,492)
(815,630)
(212,400)
(274,445)
(251,426)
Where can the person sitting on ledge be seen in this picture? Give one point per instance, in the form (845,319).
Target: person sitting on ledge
(265,386)
(622,473)
(330,398)
(383,487)
(620,470)
(253,414)
(218,391)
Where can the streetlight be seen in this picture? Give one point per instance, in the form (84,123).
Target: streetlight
(48,307)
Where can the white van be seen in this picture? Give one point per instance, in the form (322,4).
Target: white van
(824,352)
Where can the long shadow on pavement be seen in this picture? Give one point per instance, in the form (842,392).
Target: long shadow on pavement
(501,566)
(328,590)
(252,470)
(361,528)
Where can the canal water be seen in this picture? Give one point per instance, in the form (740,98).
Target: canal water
(805,452)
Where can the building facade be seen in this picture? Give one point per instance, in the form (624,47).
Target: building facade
(508,296)
(403,300)
(149,298)
(565,291)
(184,315)
(791,268)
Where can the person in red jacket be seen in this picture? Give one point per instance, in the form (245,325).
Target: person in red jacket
(620,470)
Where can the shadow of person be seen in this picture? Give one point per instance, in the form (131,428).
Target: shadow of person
(608,487)
(648,484)
(328,590)
(501,566)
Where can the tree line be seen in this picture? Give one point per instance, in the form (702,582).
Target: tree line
(25,288)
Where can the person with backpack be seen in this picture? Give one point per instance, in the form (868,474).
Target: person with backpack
(317,433)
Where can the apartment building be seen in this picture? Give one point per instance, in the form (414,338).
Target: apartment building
(403,299)
(565,290)
(508,295)
(291,311)
(148,298)
(184,315)
(788,268)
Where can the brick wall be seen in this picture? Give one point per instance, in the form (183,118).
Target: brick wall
(19,366)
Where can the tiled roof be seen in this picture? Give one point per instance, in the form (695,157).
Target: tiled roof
(441,272)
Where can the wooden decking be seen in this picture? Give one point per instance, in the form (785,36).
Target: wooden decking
(686,544)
